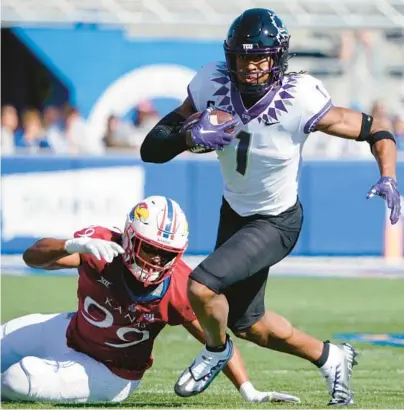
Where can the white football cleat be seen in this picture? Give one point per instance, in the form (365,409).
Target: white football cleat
(197,377)
(337,372)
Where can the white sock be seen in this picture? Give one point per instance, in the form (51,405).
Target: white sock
(334,357)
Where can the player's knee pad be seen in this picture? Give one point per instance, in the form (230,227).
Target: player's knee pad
(15,383)
(25,379)
(31,379)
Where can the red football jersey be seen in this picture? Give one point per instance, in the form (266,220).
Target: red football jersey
(110,325)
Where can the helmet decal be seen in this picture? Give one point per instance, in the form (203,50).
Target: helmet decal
(154,239)
(140,212)
(257,32)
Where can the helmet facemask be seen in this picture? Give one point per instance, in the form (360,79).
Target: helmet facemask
(257,31)
(148,261)
(277,60)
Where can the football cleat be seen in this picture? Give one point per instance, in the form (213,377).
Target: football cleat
(196,378)
(337,372)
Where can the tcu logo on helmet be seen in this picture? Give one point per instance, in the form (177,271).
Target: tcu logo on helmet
(247,46)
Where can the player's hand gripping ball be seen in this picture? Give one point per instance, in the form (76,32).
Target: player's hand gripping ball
(216,117)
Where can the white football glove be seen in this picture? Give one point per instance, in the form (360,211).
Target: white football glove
(97,247)
(273,396)
(250,394)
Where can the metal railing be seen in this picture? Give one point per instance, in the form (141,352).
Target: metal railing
(204,18)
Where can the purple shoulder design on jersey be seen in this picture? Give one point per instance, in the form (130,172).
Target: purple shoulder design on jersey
(283,100)
(269,109)
(219,77)
(310,125)
(271,106)
(221,80)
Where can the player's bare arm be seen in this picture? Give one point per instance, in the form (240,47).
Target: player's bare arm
(50,254)
(345,123)
(167,139)
(350,124)
(53,254)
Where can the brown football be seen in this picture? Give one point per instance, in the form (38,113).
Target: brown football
(216,117)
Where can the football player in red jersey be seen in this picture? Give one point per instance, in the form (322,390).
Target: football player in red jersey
(130,286)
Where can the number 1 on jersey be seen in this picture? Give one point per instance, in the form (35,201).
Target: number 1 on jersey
(242,151)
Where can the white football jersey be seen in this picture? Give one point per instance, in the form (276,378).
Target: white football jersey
(260,167)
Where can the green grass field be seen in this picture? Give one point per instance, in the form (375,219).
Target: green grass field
(319,306)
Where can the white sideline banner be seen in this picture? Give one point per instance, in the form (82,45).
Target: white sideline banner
(58,203)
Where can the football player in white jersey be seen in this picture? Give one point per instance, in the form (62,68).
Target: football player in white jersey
(261,216)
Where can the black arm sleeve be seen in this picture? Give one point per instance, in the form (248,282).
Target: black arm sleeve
(165,141)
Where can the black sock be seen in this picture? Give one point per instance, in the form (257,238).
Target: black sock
(218,349)
(324,355)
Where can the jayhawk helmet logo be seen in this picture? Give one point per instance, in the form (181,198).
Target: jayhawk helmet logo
(156,222)
(141,212)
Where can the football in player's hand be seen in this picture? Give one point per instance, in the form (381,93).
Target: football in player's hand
(216,117)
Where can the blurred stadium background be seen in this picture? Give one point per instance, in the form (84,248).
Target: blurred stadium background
(82,81)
